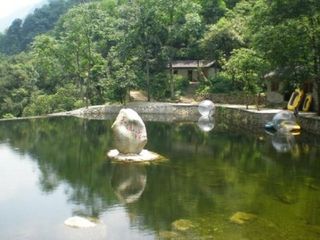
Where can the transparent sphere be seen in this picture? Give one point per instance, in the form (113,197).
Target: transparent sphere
(205,123)
(283,116)
(206,108)
(283,142)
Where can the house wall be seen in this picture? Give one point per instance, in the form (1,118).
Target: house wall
(274,96)
(184,72)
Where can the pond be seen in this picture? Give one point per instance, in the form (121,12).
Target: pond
(224,184)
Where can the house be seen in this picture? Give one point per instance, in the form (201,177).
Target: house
(194,70)
(277,91)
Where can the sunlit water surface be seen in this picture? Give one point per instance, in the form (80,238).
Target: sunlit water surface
(52,169)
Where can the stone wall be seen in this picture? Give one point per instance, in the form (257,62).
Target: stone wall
(249,119)
(181,111)
(255,120)
(234,98)
(310,123)
(236,115)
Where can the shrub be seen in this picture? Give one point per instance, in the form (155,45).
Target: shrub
(8,116)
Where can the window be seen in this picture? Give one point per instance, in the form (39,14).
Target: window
(274,86)
(175,71)
(190,75)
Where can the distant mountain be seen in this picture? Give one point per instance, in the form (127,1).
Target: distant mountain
(39,19)
(21,13)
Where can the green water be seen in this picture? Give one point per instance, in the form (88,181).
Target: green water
(52,169)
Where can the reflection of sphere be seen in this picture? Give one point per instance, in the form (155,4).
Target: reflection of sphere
(283,141)
(206,108)
(128,181)
(205,123)
(283,116)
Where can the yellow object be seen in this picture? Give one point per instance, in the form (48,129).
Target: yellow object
(295,99)
(307,103)
(291,127)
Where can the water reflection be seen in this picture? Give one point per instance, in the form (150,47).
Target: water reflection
(128,181)
(209,177)
(206,123)
(283,142)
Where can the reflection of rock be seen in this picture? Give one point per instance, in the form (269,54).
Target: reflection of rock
(205,123)
(206,108)
(130,135)
(283,141)
(182,225)
(143,156)
(168,235)
(79,222)
(287,198)
(128,181)
(242,217)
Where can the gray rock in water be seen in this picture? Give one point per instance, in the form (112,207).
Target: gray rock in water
(130,134)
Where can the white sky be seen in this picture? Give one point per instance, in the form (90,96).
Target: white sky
(8,7)
(12,9)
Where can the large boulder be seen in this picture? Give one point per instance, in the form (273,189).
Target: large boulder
(130,134)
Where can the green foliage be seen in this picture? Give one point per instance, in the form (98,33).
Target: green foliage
(98,50)
(8,116)
(159,86)
(247,68)
(180,82)
(221,82)
(64,99)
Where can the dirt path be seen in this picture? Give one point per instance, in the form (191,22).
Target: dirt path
(188,96)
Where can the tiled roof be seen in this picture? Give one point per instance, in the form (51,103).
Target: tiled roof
(192,63)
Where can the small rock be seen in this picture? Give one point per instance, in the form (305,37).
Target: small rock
(242,217)
(79,222)
(182,224)
(287,198)
(168,234)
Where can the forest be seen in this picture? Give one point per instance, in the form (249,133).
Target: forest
(74,53)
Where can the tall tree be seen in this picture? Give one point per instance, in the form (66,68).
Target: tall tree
(288,33)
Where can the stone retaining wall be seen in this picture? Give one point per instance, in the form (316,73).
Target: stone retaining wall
(310,124)
(249,119)
(255,120)
(236,115)
(145,108)
(233,98)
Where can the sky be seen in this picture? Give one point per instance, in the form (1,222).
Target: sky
(12,9)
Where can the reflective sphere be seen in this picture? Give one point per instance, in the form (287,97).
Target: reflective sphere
(283,116)
(206,108)
(205,123)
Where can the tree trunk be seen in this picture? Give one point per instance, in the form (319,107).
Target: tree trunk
(148,79)
(258,101)
(316,59)
(171,82)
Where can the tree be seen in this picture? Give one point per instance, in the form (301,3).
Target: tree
(79,31)
(288,34)
(46,60)
(247,68)
(11,41)
(176,20)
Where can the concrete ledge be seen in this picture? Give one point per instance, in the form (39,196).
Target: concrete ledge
(236,115)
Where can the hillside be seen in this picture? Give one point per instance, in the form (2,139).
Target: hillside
(67,55)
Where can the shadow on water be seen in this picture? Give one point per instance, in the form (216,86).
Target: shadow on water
(209,177)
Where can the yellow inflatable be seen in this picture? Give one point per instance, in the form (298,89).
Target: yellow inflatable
(295,99)
(307,102)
